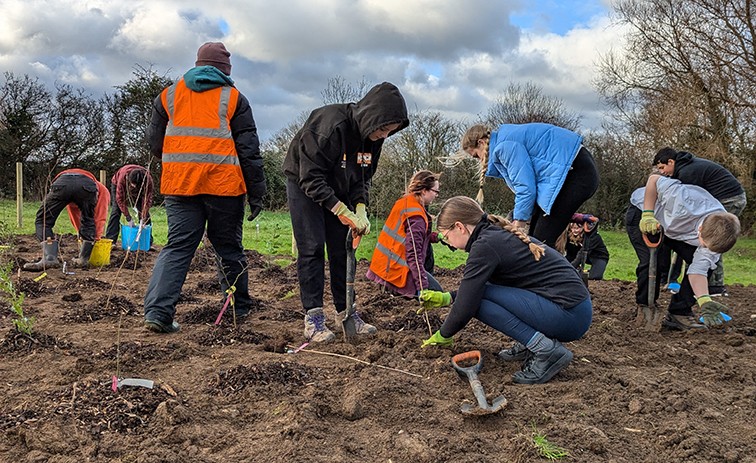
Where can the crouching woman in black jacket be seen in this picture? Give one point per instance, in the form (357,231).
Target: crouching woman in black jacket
(515,285)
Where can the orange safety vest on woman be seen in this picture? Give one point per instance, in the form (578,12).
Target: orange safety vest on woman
(389,257)
(199,154)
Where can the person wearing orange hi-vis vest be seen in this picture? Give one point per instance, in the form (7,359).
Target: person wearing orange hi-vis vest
(328,169)
(203,130)
(400,256)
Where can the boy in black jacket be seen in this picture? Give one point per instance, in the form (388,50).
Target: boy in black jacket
(710,176)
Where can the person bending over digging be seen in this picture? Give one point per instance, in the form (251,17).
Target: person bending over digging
(515,285)
(697,227)
(87,202)
(328,168)
(399,258)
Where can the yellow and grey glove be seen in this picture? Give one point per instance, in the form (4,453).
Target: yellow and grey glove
(648,223)
(438,340)
(430,299)
(712,311)
(363,219)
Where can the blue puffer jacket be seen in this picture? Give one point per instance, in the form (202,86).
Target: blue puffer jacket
(534,160)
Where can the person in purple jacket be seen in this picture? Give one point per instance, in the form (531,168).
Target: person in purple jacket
(398,262)
(547,167)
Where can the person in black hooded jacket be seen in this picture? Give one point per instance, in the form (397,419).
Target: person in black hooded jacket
(328,168)
(710,176)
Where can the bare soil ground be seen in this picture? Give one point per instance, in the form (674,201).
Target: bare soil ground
(232,393)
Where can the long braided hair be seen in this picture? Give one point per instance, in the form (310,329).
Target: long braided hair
(471,139)
(468,211)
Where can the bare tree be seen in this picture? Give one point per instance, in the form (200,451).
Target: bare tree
(338,90)
(687,77)
(520,104)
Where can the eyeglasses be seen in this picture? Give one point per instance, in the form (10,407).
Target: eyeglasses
(435,190)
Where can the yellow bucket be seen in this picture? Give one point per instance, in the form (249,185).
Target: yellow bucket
(101,253)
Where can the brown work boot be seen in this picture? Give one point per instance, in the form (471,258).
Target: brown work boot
(315,329)
(681,322)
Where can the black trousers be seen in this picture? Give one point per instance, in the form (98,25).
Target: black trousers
(188,218)
(316,228)
(581,183)
(68,188)
(681,302)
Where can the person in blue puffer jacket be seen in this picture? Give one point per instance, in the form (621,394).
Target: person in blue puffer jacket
(547,167)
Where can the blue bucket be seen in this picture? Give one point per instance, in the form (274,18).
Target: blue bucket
(128,237)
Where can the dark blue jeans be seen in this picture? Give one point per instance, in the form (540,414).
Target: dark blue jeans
(188,217)
(315,227)
(68,188)
(520,313)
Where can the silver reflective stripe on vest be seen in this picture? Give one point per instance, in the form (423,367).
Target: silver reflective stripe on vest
(391,255)
(202,158)
(223,131)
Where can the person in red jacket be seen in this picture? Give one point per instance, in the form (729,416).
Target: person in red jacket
(87,202)
(403,244)
(203,131)
(131,187)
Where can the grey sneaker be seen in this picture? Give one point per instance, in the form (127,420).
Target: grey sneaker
(516,353)
(681,322)
(315,329)
(359,324)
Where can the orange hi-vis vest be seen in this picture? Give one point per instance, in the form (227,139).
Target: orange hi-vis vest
(199,154)
(389,257)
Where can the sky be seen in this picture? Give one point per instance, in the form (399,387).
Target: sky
(451,56)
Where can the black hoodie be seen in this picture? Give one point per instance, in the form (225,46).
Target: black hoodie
(709,175)
(323,156)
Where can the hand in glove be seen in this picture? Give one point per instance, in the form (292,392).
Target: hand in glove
(363,218)
(438,340)
(648,223)
(711,311)
(430,299)
(254,211)
(350,219)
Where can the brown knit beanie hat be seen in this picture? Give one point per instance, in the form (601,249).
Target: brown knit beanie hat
(214,54)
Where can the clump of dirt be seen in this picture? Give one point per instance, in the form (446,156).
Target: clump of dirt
(15,342)
(85,283)
(207,286)
(73,297)
(31,288)
(133,354)
(96,408)
(238,378)
(205,314)
(111,308)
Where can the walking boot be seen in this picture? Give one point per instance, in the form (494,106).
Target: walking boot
(315,329)
(516,353)
(84,253)
(359,324)
(549,358)
(49,257)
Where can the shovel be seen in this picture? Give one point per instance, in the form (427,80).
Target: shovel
(347,323)
(471,373)
(651,312)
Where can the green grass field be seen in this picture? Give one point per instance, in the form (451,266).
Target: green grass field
(270,234)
